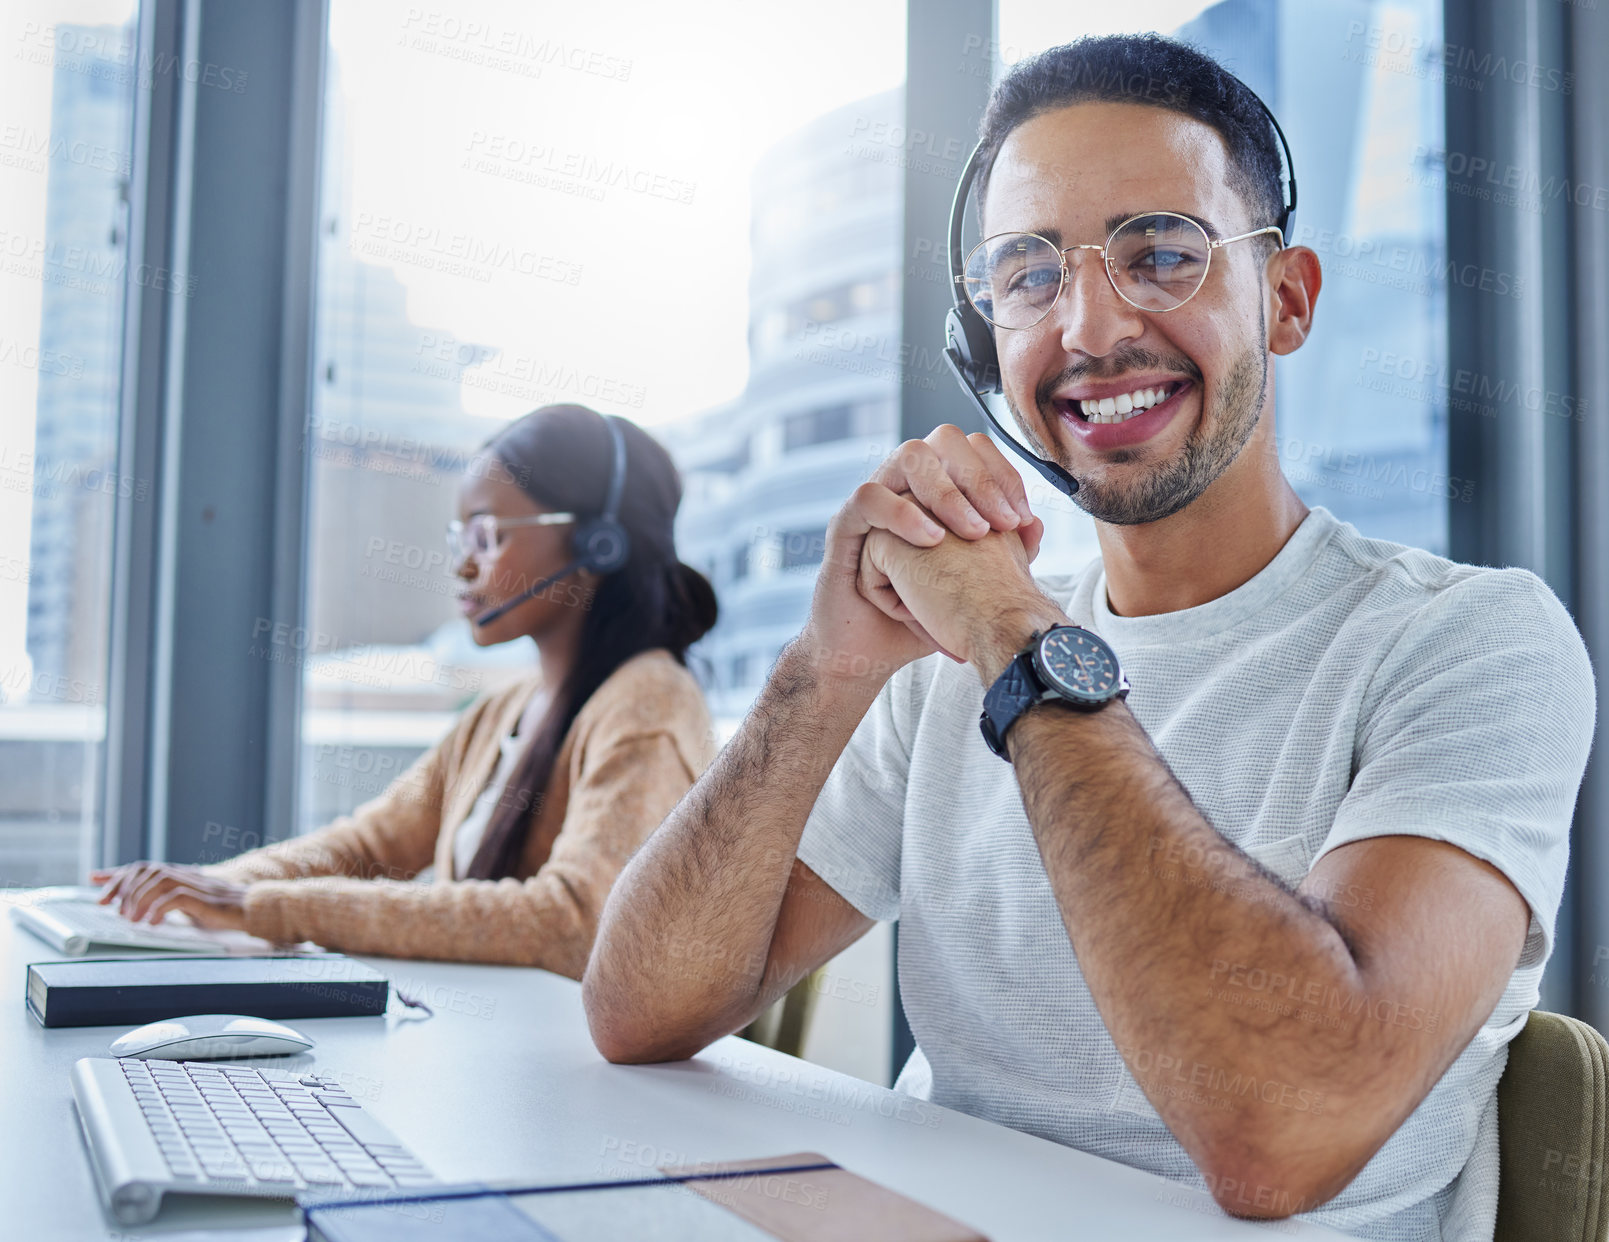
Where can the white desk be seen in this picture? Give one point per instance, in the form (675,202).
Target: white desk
(504,1083)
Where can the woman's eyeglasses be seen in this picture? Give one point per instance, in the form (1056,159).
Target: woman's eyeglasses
(1156,262)
(479,535)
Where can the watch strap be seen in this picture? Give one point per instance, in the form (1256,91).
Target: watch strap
(1016,690)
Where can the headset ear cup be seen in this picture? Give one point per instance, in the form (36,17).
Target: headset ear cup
(602,545)
(972,339)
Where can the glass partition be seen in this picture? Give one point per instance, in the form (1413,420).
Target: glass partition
(66,101)
(658,217)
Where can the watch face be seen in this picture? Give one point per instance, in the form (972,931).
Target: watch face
(1079,664)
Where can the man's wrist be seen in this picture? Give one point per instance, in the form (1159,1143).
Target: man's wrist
(1009,632)
(834,679)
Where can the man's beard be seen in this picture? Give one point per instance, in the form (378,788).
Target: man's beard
(1160,493)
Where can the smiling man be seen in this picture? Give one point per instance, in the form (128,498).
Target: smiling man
(1264,923)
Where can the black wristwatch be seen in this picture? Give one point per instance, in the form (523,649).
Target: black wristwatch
(1066,663)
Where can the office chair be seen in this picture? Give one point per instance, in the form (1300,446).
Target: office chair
(1552,1126)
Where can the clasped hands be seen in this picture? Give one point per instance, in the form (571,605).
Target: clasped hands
(945,540)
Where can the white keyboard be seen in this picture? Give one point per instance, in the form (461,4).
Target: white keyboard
(179,1127)
(74,925)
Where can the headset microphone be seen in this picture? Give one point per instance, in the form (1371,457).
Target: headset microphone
(602,544)
(969,341)
(486,618)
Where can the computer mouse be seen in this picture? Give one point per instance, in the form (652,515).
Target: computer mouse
(210,1037)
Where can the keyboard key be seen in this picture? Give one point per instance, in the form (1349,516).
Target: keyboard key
(363,1127)
(273,1171)
(321,1175)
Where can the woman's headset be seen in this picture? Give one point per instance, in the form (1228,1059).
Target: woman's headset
(969,346)
(599,544)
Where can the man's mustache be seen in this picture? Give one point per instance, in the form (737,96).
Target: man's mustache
(1124,361)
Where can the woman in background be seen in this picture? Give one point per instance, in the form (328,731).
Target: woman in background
(531,805)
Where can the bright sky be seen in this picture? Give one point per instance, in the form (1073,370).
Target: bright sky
(678,100)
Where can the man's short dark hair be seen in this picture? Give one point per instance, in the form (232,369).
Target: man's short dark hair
(1145,69)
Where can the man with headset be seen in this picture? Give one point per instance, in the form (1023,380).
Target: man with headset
(1265,923)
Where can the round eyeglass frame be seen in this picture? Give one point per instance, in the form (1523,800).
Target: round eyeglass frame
(458,533)
(1106,264)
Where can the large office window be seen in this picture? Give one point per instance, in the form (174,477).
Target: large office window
(1362,408)
(65,107)
(532,205)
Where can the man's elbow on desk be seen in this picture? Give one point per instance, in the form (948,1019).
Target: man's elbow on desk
(1299,1163)
(625,1034)
(1273,1189)
(623,1047)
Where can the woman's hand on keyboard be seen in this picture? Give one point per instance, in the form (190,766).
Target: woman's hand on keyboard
(146,891)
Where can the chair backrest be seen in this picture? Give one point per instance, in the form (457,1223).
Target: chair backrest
(1552,1125)
(785,1025)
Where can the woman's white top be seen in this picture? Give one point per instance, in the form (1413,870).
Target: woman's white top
(466,841)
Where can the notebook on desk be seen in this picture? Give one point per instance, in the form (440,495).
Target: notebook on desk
(129,991)
(796,1198)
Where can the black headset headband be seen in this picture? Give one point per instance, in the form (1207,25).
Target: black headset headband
(617,473)
(969,340)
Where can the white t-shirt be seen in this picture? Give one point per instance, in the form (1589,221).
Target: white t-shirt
(1353,688)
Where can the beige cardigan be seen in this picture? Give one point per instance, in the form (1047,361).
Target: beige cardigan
(634,749)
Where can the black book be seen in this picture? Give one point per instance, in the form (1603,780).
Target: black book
(132,991)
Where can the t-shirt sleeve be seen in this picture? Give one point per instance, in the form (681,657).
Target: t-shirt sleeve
(1475,731)
(853,836)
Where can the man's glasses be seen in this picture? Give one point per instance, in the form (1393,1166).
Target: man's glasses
(1157,262)
(479,535)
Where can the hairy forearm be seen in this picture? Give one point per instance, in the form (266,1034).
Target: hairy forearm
(1260,1083)
(682,949)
